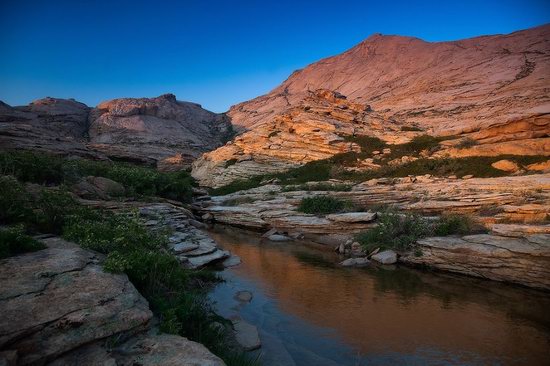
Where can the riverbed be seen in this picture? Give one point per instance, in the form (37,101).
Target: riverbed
(310,311)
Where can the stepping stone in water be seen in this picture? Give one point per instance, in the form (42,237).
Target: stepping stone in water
(246,335)
(232,261)
(196,262)
(243,296)
(184,247)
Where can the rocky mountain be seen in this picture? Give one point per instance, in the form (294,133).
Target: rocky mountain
(490,89)
(161,131)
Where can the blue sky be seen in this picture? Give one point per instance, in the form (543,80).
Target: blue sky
(216,53)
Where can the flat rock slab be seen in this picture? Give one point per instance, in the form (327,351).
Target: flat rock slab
(246,335)
(524,261)
(57,299)
(353,217)
(232,261)
(243,296)
(278,237)
(385,257)
(355,262)
(184,247)
(203,260)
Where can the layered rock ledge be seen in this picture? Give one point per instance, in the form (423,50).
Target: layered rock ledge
(59,306)
(514,209)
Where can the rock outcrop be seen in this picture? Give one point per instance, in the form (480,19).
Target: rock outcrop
(516,209)
(59,299)
(159,131)
(490,91)
(51,125)
(523,260)
(60,308)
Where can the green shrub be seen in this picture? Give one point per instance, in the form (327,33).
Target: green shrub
(14,241)
(453,224)
(322,186)
(411,128)
(466,143)
(106,232)
(33,167)
(401,231)
(322,205)
(394,231)
(15,204)
(52,207)
(368,144)
(238,185)
(138,180)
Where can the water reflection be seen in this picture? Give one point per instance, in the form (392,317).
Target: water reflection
(311,312)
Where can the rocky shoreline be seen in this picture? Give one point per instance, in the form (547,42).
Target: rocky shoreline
(514,211)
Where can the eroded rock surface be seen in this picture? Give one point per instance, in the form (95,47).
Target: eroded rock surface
(59,298)
(160,129)
(490,91)
(519,260)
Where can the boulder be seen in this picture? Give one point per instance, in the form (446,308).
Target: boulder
(506,165)
(278,237)
(244,296)
(524,261)
(355,262)
(385,257)
(98,187)
(246,335)
(57,299)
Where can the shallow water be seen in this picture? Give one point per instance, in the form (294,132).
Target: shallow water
(311,312)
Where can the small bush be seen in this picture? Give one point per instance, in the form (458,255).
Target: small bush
(394,231)
(322,205)
(411,128)
(52,208)
(238,185)
(453,224)
(401,231)
(230,162)
(14,241)
(15,204)
(138,180)
(106,232)
(322,186)
(466,143)
(32,167)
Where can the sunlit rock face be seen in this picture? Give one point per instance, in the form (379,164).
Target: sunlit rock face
(160,129)
(493,89)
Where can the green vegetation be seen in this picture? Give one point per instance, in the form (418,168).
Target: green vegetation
(178,296)
(138,180)
(238,201)
(401,231)
(321,186)
(411,128)
(466,143)
(175,294)
(14,241)
(318,205)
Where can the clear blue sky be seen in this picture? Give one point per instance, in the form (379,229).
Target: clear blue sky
(216,53)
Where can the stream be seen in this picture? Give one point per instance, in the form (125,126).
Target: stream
(310,312)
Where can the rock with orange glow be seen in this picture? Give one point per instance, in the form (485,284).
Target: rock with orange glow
(492,90)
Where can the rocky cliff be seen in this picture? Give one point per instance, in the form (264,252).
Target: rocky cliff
(162,130)
(491,89)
